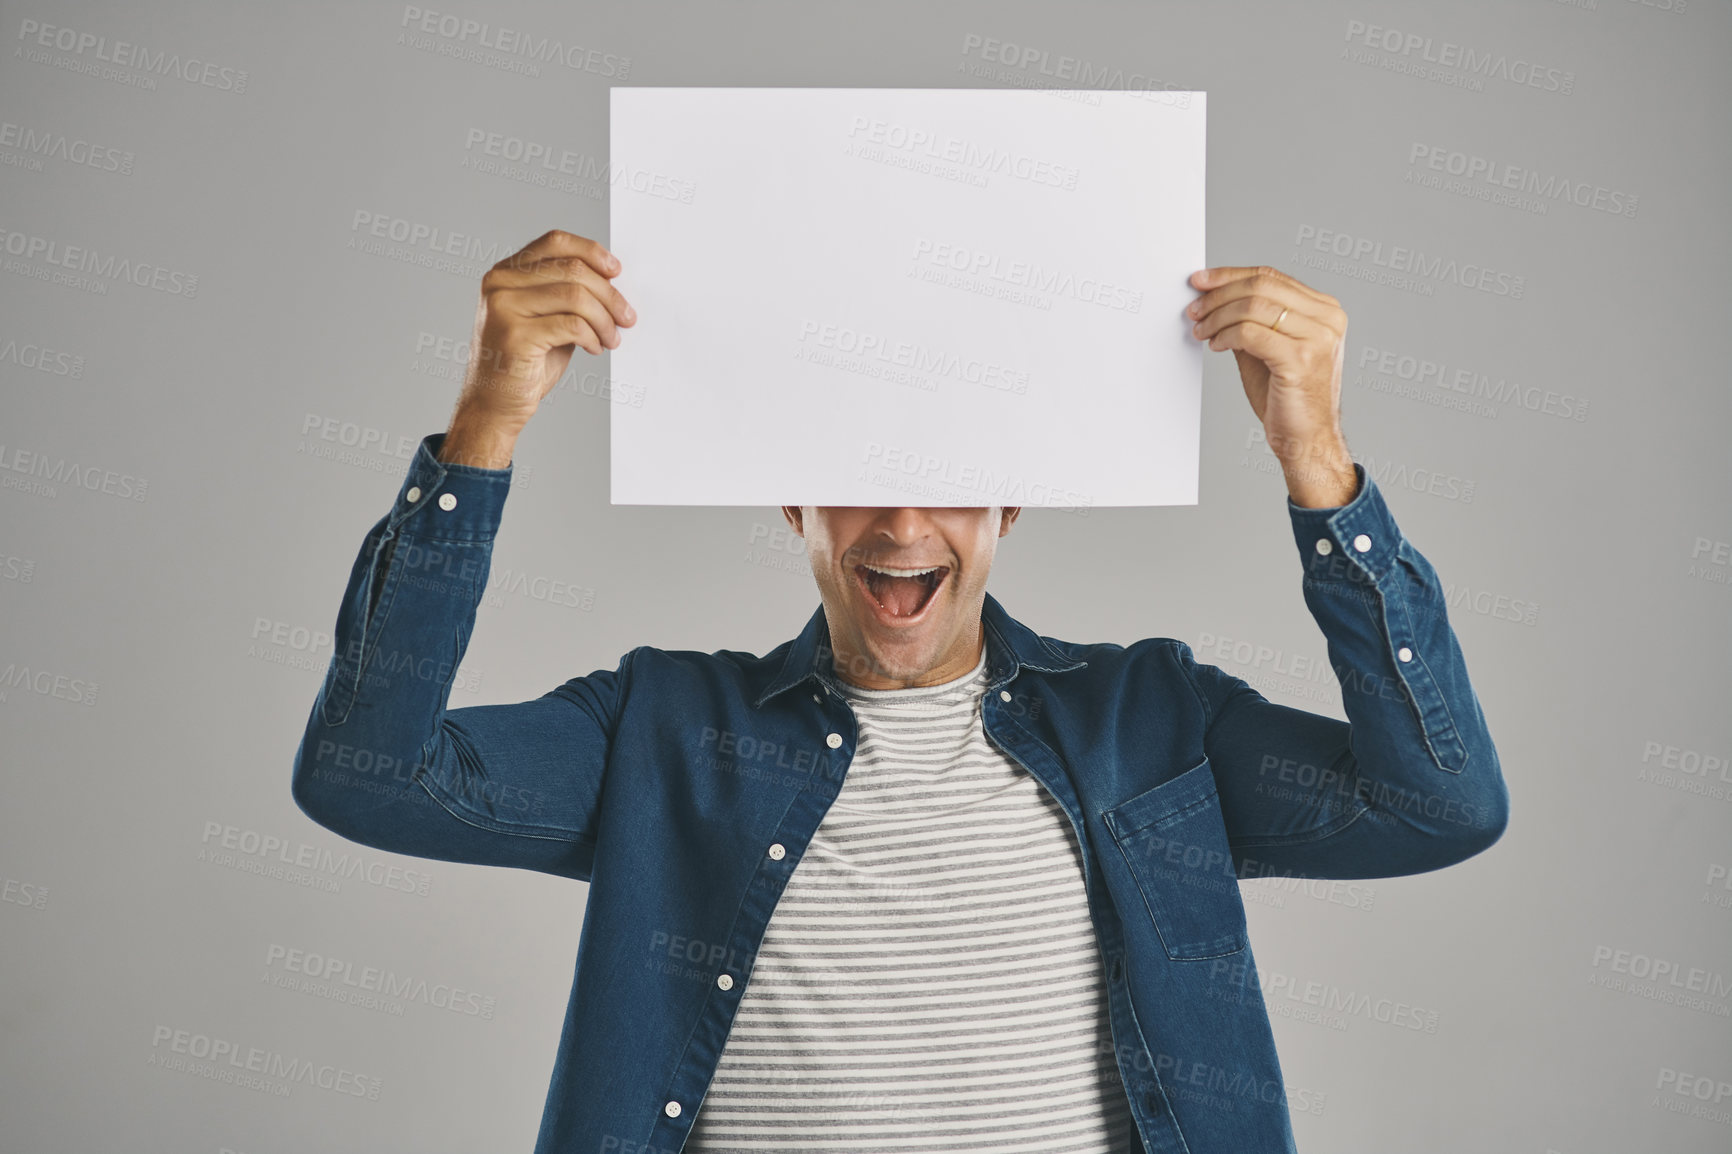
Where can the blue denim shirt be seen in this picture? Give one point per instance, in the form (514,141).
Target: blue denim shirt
(684,786)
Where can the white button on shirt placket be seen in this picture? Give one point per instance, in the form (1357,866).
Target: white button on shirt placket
(448,501)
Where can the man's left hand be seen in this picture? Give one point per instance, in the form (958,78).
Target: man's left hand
(1291,370)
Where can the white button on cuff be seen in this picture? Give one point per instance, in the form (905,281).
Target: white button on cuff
(672,1109)
(725,981)
(1362,543)
(414,493)
(1404,653)
(1325,546)
(448,501)
(777,853)
(833,740)
(1004,695)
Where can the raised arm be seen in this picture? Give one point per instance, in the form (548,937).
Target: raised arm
(384,761)
(1411,781)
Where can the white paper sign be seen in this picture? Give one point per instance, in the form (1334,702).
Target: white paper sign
(887,296)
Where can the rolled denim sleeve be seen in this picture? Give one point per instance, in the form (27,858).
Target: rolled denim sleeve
(1411,781)
(383,760)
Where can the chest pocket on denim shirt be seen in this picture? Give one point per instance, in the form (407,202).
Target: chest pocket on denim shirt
(1175,843)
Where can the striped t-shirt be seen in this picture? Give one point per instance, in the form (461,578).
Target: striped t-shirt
(929,979)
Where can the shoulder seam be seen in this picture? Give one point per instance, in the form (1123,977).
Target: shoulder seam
(1186,660)
(628,666)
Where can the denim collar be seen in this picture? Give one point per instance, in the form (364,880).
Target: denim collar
(1010,646)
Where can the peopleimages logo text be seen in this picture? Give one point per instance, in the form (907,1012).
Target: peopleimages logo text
(1448,54)
(1412,261)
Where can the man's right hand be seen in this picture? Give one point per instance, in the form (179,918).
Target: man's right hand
(537,306)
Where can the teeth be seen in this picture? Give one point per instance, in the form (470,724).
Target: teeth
(902,572)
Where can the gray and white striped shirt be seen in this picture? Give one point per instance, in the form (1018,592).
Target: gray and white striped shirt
(930,979)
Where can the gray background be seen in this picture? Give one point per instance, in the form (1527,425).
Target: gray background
(158,643)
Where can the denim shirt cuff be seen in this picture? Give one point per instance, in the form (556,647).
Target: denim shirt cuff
(442,500)
(1356,542)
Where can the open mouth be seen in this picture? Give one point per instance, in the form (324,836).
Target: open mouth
(901,593)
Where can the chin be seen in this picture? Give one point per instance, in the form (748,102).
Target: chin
(901,657)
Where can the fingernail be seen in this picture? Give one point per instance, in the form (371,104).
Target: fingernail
(630,313)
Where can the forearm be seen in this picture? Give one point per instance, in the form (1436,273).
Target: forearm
(1412,781)
(1421,761)
(401,630)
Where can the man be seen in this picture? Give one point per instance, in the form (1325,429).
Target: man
(1015,922)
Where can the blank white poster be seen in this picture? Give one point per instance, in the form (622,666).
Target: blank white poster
(887,296)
